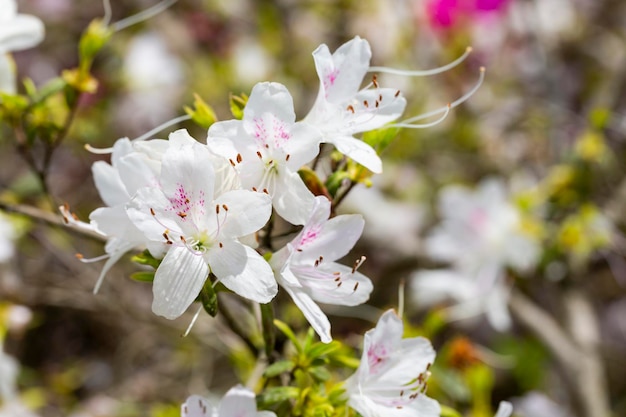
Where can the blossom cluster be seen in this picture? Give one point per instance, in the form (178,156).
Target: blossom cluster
(198,208)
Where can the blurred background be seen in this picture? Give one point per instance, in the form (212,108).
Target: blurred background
(551,114)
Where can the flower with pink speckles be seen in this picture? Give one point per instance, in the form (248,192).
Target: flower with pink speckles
(267,148)
(201,229)
(305,268)
(343,108)
(391,378)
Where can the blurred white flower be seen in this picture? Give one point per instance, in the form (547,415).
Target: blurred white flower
(7,235)
(481,234)
(155,79)
(11,405)
(505,409)
(391,378)
(537,404)
(17,32)
(237,402)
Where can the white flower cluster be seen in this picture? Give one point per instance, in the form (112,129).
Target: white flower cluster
(195,206)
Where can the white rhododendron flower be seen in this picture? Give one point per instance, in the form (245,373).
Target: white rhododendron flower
(17,32)
(202,231)
(480,235)
(267,148)
(391,378)
(237,402)
(305,268)
(343,109)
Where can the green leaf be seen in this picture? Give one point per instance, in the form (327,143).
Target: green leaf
(237,104)
(449,412)
(145,258)
(283,327)
(321,349)
(381,138)
(93,39)
(278,368)
(276,395)
(143,276)
(312,182)
(320,373)
(208,298)
(52,87)
(202,114)
(335,181)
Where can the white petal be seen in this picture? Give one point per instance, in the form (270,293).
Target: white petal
(269,97)
(247,212)
(116,248)
(196,406)
(109,184)
(358,150)
(292,199)
(333,240)
(8,10)
(372,117)
(496,307)
(505,409)
(410,357)
(7,74)
(381,341)
(187,180)
(180,138)
(222,136)
(21,32)
(303,146)
(355,288)
(177,282)
(430,287)
(135,172)
(243,271)
(342,73)
(312,312)
(139,212)
(238,402)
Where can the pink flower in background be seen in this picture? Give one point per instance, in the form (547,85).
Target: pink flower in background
(447,13)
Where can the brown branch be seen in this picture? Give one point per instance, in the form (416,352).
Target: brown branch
(49,218)
(576,352)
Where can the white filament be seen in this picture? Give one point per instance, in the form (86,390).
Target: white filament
(418,73)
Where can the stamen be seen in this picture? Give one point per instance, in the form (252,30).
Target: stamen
(259,155)
(231,162)
(84,260)
(193,321)
(356,286)
(375,81)
(98,151)
(452,105)
(152,211)
(287,157)
(143,15)
(350,108)
(225,207)
(239,158)
(165,125)
(417,73)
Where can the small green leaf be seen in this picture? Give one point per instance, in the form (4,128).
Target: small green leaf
(143,276)
(237,104)
(208,298)
(335,181)
(321,349)
(202,114)
(381,138)
(312,182)
(276,395)
(278,368)
(320,373)
(145,258)
(449,412)
(283,327)
(93,39)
